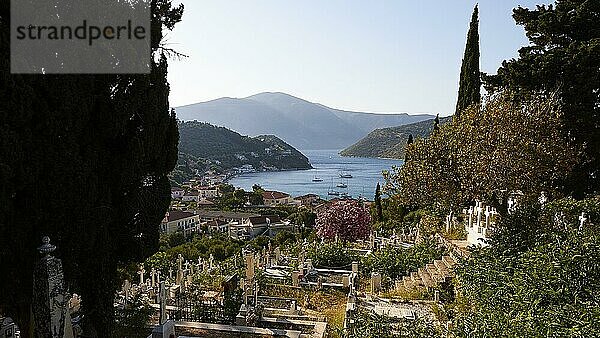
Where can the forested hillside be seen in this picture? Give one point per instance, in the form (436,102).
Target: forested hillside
(390,142)
(204,146)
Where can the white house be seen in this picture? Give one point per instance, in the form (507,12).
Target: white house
(184,221)
(177,192)
(208,192)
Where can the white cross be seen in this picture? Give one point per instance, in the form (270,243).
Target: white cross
(582,220)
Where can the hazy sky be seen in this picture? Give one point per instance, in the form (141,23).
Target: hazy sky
(364,55)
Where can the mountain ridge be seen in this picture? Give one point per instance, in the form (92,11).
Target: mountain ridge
(301,123)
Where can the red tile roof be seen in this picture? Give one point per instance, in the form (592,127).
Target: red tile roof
(175,215)
(274,195)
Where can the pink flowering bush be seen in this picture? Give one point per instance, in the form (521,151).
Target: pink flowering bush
(348,220)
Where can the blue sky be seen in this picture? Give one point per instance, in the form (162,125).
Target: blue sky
(363,55)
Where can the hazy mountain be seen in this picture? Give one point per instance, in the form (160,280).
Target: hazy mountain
(301,123)
(390,142)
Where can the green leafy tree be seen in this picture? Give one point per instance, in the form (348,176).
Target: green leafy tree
(538,278)
(331,255)
(83,159)
(563,55)
(501,146)
(470,78)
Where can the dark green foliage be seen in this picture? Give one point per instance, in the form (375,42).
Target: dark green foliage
(470,78)
(284,238)
(132,320)
(176,239)
(563,55)
(331,255)
(83,159)
(221,247)
(390,142)
(539,278)
(303,217)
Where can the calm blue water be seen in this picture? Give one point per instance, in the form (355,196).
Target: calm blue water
(327,165)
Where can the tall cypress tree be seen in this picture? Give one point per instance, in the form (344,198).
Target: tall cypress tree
(436,123)
(83,159)
(378,203)
(470,76)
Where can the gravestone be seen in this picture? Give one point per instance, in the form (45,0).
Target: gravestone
(249,266)
(50,300)
(346,281)
(375,282)
(277,255)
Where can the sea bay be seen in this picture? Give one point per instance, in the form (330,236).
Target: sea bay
(327,165)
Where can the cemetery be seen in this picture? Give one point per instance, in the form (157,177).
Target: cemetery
(278,291)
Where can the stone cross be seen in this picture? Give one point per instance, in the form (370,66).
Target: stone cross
(170,273)
(162,300)
(179,261)
(187,265)
(141,272)
(158,276)
(470,216)
(479,210)
(153,277)
(211,260)
(488,215)
(582,220)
